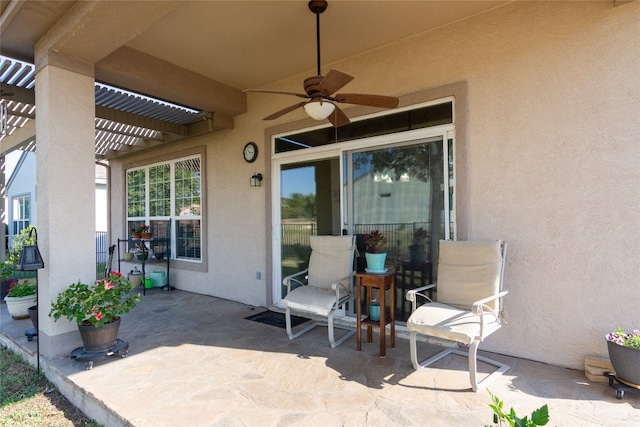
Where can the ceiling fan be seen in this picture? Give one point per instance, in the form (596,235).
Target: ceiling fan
(319,90)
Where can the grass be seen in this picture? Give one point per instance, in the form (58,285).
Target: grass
(28,399)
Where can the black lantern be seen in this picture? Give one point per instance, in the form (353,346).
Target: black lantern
(30,258)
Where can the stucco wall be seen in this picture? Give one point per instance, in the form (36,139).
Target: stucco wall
(553,156)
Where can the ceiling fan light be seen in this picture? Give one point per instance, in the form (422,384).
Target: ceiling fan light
(319,110)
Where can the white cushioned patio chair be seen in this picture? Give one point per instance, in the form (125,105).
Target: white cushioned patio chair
(468,307)
(325,287)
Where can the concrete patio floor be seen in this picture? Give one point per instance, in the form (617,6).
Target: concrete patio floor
(195,361)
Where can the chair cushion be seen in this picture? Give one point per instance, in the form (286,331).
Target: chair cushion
(312,299)
(450,323)
(468,272)
(331,259)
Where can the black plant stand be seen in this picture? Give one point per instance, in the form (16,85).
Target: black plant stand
(119,348)
(30,333)
(619,386)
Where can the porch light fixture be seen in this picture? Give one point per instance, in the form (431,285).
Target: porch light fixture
(319,110)
(256,180)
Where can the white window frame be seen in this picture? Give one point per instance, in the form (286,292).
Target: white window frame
(16,211)
(172,218)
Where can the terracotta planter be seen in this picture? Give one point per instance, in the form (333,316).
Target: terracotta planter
(136,235)
(146,236)
(99,339)
(626,362)
(18,307)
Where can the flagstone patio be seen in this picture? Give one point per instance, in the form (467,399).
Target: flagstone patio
(195,361)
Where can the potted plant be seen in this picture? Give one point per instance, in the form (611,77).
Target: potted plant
(21,296)
(7,270)
(96,309)
(624,353)
(141,252)
(145,232)
(374,310)
(135,234)
(373,241)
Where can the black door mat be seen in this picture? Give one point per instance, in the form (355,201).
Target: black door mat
(276,319)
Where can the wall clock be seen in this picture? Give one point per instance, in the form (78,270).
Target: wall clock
(250,152)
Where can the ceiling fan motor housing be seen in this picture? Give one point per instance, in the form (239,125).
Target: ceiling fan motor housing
(311,85)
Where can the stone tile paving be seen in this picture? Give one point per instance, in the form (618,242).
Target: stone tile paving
(195,361)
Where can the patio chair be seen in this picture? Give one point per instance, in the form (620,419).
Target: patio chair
(325,287)
(468,307)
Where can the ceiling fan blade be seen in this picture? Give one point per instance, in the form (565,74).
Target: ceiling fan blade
(281,92)
(338,118)
(334,81)
(370,100)
(284,111)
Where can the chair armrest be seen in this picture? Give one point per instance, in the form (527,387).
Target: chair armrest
(338,283)
(413,293)
(476,307)
(293,278)
(479,308)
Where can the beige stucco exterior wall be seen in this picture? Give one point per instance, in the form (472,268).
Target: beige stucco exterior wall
(553,167)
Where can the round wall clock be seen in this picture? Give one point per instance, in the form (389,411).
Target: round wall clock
(250,152)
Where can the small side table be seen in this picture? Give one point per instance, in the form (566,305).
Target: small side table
(382,282)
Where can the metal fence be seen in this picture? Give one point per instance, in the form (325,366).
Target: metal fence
(399,237)
(102,253)
(296,238)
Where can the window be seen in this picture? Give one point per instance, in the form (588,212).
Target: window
(169,193)
(21,213)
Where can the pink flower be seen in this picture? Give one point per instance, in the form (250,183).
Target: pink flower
(97,315)
(108,285)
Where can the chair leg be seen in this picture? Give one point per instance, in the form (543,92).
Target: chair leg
(330,328)
(291,334)
(413,350)
(471,354)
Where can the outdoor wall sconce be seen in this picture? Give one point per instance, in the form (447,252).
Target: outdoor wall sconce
(256,180)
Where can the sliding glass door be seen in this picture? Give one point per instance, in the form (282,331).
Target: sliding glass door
(401,191)
(309,205)
(392,173)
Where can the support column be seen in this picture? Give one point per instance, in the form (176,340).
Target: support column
(65,174)
(4,204)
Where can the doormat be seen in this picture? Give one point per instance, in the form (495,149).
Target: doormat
(276,319)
